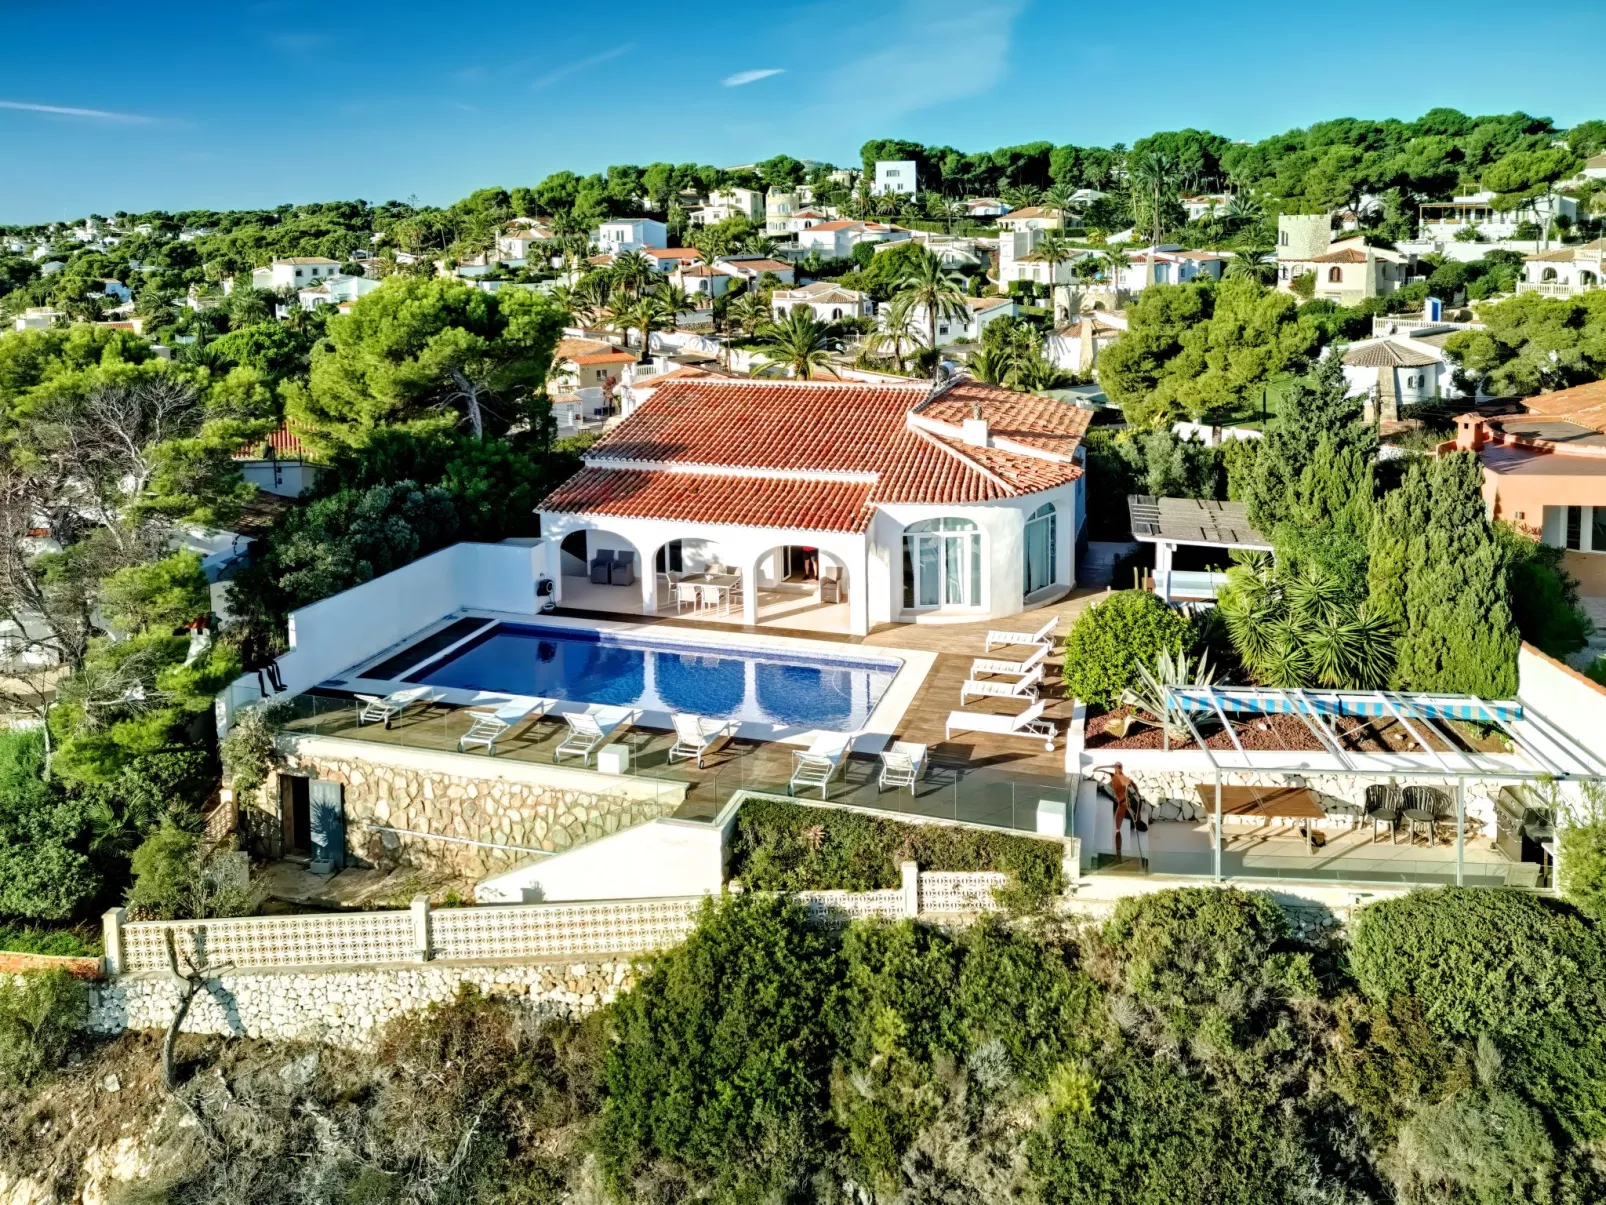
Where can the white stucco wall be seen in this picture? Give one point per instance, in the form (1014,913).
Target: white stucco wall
(663,857)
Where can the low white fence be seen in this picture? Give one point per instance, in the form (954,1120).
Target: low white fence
(527,932)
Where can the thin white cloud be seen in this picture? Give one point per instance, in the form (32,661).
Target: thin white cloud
(750,77)
(67,111)
(596,60)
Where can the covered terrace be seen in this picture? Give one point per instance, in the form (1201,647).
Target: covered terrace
(1208,529)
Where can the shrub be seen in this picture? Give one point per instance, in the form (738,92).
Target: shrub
(1583,866)
(781,846)
(717,1079)
(22,939)
(1500,962)
(1109,641)
(39,1020)
(175,876)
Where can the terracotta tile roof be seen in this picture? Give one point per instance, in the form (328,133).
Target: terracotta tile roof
(860,433)
(1024,418)
(285,442)
(1584,405)
(1347,256)
(686,253)
(715,498)
(568,349)
(760,265)
(841,224)
(606,357)
(1031,211)
(1566,255)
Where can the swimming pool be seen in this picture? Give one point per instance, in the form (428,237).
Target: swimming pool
(754,685)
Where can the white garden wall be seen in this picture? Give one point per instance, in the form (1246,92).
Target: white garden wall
(663,857)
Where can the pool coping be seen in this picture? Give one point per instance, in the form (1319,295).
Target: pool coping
(913,665)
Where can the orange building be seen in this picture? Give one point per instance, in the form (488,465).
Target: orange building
(1545,472)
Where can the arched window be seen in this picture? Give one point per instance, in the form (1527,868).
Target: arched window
(1548,275)
(1335,275)
(941,564)
(836,314)
(1586,277)
(1041,545)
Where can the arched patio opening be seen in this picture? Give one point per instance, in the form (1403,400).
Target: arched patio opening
(800,585)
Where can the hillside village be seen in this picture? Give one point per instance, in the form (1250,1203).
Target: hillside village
(1001,675)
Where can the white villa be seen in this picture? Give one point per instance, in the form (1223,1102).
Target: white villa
(836,240)
(896,177)
(829,301)
(297,272)
(629,234)
(1565,271)
(1446,219)
(967,326)
(885,502)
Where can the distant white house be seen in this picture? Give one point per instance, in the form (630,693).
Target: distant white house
(779,205)
(37,318)
(1566,271)
(897,177)
(280,464)
(1595,168)
(725,203)
(1075,346)
(752,268)
(296,272)
(1199,206)
(337,291)
(1164,267)
(117,289)
(966,327)
(986,207)
(836,240)
(827,300)
(630,234)
(1033,217)
(1446,219)
(667,259)
(521,244)
(1018,259)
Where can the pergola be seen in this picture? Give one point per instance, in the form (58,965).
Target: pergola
(1170,523)
(1556,755)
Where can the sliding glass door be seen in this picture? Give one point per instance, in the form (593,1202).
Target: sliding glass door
(941,564)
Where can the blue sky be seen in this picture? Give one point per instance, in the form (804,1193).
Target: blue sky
(183,105)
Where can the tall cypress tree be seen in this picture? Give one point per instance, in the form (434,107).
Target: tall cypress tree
(1439,572)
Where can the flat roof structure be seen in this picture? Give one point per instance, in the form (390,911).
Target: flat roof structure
(1193,521)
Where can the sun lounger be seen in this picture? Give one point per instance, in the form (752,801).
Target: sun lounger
(994,665)
(1029,723)
(1043,635)
(376,710)
(822,763)
(697,737)
(903,764)
(589,731)
(485,727)
(1002,687)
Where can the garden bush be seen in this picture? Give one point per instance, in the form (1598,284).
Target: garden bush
(1583,866)
(39,1019)
(25,939)
(778,846)
(1109,641)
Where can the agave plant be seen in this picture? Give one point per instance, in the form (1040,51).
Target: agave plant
(1149,699)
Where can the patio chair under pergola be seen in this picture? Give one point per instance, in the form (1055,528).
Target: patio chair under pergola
(1555,755)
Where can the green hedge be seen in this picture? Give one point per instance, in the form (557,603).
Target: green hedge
(25,939)
(780,846)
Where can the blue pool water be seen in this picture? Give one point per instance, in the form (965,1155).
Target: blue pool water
(598,667)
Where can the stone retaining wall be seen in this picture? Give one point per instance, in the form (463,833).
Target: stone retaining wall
(348,1007)
(531,806)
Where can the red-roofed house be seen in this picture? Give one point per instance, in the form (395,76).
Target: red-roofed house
(279,464)
(836,240)
(957,503)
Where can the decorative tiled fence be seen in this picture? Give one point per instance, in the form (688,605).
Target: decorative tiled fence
(519,932)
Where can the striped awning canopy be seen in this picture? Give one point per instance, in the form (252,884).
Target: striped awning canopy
(1377,704)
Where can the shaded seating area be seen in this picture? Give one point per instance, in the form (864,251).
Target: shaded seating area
(610,568)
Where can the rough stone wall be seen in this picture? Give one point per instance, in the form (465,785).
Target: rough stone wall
(348,1007)
(498,811)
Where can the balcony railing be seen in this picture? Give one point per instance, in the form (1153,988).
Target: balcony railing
(1556,288)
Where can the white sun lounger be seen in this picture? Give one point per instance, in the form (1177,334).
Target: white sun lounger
(485,727)
(993,665)
(823,762)
(903,764)
(697,737)
(376,710)
(590,730)
(1028,723)
(1002,687)
(1043,635)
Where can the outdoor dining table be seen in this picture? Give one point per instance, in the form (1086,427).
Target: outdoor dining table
(1270,803)
(723,582)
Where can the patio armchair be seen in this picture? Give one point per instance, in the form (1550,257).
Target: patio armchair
(1043,635)
(1384,804)
(903,764)
(383,710)
(623,571)
(817,767)
(686,592)
(830,584)
(486,727)
(1029,723)
(697,737)
(601,566)
(1426,806)
(1002,687)
(711,598)
(589,731)
(995,665)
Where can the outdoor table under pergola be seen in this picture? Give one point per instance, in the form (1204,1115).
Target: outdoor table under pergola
(1555,755)
(1171,523)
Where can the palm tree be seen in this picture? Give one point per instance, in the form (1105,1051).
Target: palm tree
(1113,263)
(896,332)
(672,301)
(1086,269)
(563,296)
(1023,196)
(1059,197)
(1053,250)
(749,312)
(1252,263)
(931,287)
(631,271)
(593,293)
(1155,174)
(1242,209)
(799,345)
(990,365)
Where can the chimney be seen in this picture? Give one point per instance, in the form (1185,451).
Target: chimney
(1470,433)
(974,432)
